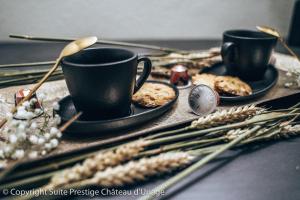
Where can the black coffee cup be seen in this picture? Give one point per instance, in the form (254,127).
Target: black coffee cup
(101,81)
(246,53)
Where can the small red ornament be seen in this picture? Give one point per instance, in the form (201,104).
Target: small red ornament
(179,75)
(21,94)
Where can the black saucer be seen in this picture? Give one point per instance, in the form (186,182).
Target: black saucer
(138,116)
(259,88)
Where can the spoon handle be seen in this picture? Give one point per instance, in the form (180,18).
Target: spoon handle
(37,86)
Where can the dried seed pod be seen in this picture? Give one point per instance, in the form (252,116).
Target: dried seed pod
(235,114)
(138,170)
(98,162)
(289,130)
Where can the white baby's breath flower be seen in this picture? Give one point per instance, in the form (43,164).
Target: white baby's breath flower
(21,108)
(37,111)
(57,119)
(7,150)
(15,123)
(13,139)
(54,131)
(288,84)
(26,104)
(288,73)
(48,146)
(26,135)
(18,154)
(54,143)
(55,106)
(3,164)
(21,127)
(41,141)
(29,115)
(47,136)
(33,154)
(33,139)
(33,125)
(21,136)
(2,156)
(59,134)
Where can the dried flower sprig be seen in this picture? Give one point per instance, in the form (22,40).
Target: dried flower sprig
(98,162)
(139,170)
(200,152)
(197,165)
(29,137)
(234,114)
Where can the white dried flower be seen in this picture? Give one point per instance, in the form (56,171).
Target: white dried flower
(48,146)
(7,150)
(57,119)
(20,108)
(288,74)
(33,154)
(15,123)
(37,111)
(21,136)
(288,84)
(47,136)
(26,104)
(18,154)
(55,106)
(33,125)
(54,131)
(13,139)
(2,156)
(27,136)
(41,141)
(33,139)
(54,143)
(21,127)
(59,134)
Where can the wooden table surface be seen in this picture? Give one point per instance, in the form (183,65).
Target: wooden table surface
(267,173)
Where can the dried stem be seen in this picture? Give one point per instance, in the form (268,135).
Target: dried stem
(137,170)
(218,118)
(98,162)
(194,134)
(172,181)
(27,64)
(53,39)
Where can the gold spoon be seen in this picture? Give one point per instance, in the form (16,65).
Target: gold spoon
(272,31)
(70,49)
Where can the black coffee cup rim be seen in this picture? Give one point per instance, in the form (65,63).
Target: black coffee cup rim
(234,34)
(70,63)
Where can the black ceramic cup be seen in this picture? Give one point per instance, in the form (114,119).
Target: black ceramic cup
(247,53)
(101,81)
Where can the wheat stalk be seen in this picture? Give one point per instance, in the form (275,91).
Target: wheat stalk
(98,162)
(287,132)
(234,114)
(139,170)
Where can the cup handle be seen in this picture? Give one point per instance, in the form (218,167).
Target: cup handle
(227,52)
(146,72)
